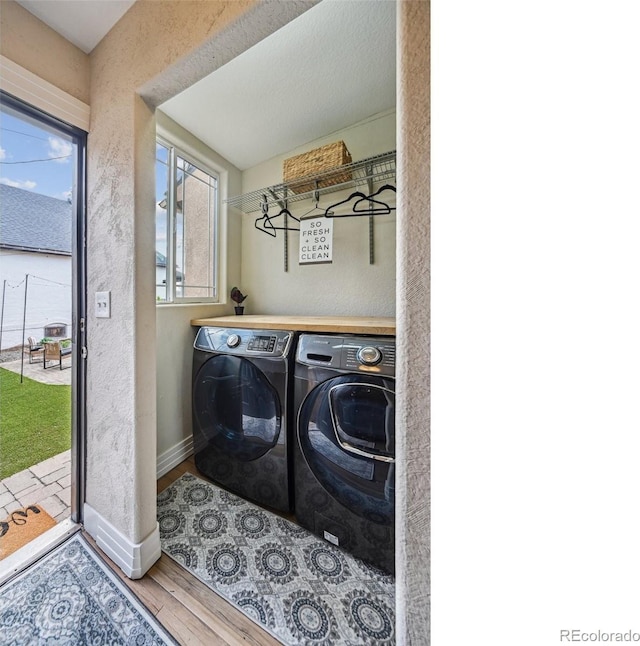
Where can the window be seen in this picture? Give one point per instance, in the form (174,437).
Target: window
(186,229)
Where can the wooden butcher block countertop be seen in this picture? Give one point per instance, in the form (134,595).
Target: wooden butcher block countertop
(341,324)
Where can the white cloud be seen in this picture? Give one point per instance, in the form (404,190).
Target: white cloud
(60,148)
(3,153)
(26,184)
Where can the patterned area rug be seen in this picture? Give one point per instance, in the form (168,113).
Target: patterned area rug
(297,587)
(71,597)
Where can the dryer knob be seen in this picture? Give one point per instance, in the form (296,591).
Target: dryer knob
(369,356)
(233,340)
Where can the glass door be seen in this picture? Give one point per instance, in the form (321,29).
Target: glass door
(42,320)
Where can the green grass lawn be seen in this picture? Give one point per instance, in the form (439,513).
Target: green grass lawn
(35,422)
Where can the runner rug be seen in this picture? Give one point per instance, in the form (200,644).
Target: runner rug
(70,596)
(22,526)
(299,588)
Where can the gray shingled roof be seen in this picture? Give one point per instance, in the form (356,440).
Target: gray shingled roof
(34,222)
(161,261)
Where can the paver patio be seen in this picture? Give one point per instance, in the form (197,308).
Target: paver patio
(35,371)
(47,484)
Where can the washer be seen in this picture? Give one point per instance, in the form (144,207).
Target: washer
(344,456)
(241,383)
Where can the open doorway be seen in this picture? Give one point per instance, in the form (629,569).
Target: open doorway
(42,279)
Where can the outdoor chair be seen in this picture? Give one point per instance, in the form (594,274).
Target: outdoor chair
(53,351)
(35,348)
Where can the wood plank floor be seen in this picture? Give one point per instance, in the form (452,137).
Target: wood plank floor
(186,607)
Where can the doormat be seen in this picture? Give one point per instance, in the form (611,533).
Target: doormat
(70,596)
(22,526)
(299,588)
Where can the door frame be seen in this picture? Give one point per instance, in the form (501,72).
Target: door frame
(78,299)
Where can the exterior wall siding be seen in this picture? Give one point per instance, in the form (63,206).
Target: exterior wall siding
(48,294)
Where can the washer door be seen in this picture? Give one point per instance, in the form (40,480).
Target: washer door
(237,411)
(346,432)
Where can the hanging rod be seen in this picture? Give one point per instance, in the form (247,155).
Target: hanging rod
(373,169)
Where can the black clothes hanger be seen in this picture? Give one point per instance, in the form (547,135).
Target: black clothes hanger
(263,228)
(284,211)
(382,209)
(265,222)
(369,199)
(264,219)
(329,214)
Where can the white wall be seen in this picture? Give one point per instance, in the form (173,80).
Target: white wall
(48,293)
(348,286)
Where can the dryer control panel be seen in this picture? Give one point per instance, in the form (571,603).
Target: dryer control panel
(261,343)
(376,355)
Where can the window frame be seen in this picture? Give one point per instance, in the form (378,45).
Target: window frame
(176,151)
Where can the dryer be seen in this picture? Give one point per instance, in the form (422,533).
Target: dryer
(344,455)
(240,402)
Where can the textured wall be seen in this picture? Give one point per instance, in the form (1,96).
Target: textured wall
(121,391)
(158,46)
(29,42)
(413,293)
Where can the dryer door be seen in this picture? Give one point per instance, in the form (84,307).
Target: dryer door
(346,432)
(236,409)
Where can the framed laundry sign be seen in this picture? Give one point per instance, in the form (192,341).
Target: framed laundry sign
(316,241)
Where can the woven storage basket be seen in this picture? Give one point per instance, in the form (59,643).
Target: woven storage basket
(315,162)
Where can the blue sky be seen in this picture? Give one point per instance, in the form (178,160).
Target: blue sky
(35,159)
(22,142)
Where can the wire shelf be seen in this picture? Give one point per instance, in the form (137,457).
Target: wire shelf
(375,169)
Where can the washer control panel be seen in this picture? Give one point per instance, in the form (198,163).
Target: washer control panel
(350,353)
(262,343)
(370,355)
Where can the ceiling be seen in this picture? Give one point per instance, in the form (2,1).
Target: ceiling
(326,70)
(82,22)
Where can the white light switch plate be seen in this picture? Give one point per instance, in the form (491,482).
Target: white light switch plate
(103,305)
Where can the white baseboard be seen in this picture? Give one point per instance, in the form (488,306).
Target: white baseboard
(174,456)
(134,559)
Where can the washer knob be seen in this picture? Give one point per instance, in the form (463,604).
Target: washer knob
(369,356)
(233,340)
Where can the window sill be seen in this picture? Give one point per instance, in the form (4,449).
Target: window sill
(194,304)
